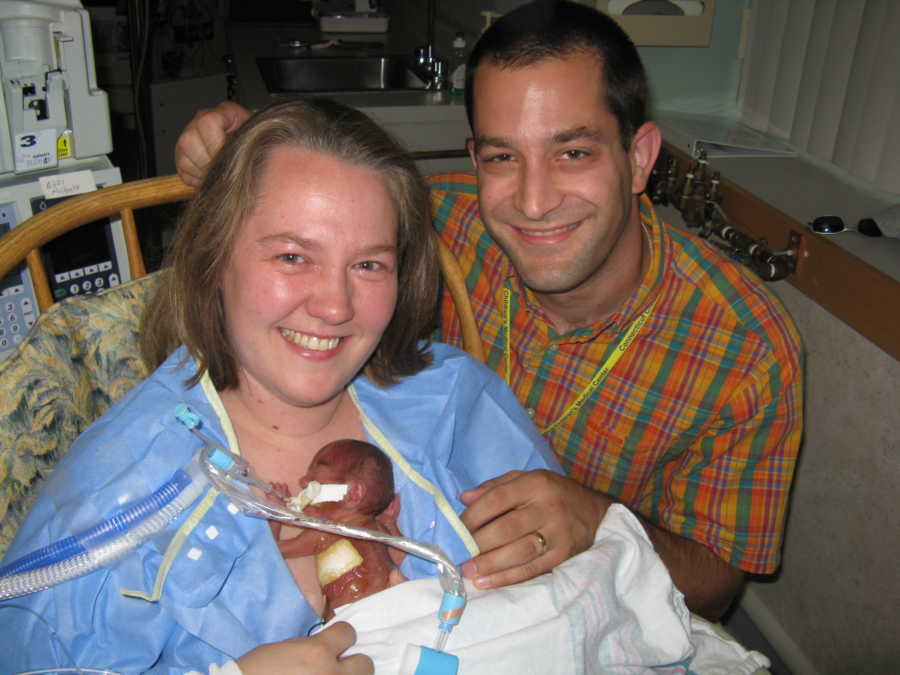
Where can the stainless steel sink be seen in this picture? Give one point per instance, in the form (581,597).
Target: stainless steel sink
(337,73)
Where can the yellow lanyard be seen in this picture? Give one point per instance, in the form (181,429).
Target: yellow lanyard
(599,376)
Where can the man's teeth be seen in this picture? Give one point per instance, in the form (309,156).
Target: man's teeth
(310,341)
(550,233)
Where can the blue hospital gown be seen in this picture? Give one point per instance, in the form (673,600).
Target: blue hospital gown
(213,585)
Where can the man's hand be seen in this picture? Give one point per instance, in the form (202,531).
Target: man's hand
(316,655)
(506,513)
(202,138)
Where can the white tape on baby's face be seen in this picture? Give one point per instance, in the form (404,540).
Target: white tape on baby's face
(316,493)
(304,497)
(330,492)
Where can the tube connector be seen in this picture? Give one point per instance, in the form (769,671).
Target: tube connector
(418,660)
(450,611)
(186,416)
(216,455)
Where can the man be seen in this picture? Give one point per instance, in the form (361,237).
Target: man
(665,377)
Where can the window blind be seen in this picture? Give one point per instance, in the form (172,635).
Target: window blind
(825,76)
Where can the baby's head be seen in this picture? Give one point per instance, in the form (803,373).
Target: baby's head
(365,470)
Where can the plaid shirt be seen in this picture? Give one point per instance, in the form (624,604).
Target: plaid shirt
(697,426)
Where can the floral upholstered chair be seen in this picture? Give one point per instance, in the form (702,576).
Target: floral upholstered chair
(81,356)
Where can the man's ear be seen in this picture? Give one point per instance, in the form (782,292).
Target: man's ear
(470,146)
(644,150)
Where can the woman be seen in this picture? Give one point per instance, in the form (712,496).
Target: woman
(303,278)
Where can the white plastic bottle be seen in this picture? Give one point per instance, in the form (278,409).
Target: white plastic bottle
(458,66)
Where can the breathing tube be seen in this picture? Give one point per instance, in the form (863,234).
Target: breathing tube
(231,475)
(110,540)
(105,543)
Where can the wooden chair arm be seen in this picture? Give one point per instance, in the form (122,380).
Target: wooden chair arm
(456,285)
(24,241)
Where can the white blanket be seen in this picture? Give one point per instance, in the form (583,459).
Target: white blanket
(612,609)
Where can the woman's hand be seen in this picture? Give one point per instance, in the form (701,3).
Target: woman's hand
(316,655)
(202,138)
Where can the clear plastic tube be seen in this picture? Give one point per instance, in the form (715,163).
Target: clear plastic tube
(249,502)
(104,543)
(102,532)
(72,671)
(229,474)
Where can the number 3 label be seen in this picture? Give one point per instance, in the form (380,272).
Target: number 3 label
(35,150)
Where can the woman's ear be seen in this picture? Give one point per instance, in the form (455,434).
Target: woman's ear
(644,150)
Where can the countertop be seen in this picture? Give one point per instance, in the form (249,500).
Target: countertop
(774,199)
(803,190)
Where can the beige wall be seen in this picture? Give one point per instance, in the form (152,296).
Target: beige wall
(835,607)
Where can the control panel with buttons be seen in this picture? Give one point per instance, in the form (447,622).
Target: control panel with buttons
(87,259)
(18,308)
(80,261)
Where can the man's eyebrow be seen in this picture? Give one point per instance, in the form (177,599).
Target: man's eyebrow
(562,136)
(577,133)
(492,141)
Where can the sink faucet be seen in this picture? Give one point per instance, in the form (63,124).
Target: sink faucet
(430,69)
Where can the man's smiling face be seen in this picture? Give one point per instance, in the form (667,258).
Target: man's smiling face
(555,184)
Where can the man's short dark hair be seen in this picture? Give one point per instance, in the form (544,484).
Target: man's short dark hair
(556,28)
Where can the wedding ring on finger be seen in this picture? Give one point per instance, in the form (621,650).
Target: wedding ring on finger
(542,540)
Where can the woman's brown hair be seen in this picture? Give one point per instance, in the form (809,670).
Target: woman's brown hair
(188,310)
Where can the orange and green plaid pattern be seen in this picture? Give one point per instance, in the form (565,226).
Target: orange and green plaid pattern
(697,427)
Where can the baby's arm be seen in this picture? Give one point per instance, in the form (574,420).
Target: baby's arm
(305,543)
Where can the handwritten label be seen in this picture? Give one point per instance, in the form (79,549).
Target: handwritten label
(67,184)
(35,150)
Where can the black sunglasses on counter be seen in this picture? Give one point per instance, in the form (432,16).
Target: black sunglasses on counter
(835,224)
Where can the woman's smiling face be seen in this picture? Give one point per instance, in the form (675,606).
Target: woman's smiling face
(311,282)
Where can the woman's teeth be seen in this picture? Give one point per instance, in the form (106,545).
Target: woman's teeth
(310,341)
